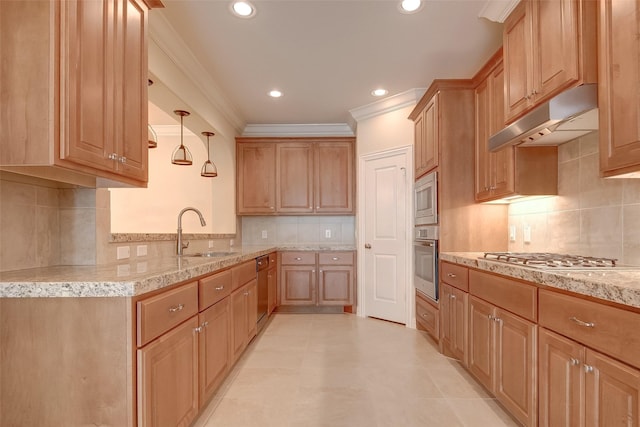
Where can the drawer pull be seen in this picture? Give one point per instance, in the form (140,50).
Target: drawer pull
(176,308)
(298,258)
(582,323)
(219,288)
(451,275)
(335,258)
(425,315)
(574,361)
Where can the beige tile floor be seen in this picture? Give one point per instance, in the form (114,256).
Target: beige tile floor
(338,370)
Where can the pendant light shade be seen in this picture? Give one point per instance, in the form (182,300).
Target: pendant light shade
(152,136)
(209,169)
(181,155)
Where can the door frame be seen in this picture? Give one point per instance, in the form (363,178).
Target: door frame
(406,150)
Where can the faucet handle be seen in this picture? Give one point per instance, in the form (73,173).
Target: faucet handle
(185,245)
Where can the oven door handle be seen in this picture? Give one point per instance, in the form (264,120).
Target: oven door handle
(428,244)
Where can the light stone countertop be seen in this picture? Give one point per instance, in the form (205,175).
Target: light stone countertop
(125,279)
(621,286)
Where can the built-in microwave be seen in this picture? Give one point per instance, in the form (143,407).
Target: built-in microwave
(426,200)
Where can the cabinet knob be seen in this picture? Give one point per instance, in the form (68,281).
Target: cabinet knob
(335,258)
(298,258)
(452,296)
(490,317)
(588,369)
(122,159)
(112,156)
(198,329)
(574,362)
(219,288)
(176,308)
(451,275)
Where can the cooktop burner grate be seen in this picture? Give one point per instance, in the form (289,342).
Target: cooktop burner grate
(550,260)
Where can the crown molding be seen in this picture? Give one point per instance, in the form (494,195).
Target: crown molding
(171,44)
(387,105)
(497,10)
(323,129)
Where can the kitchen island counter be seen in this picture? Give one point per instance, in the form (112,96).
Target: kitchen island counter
(620,286)
(136,276)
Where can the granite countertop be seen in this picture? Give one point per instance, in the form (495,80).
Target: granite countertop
(620,286)
(125,279)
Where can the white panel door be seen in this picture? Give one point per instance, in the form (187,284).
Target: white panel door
(384,243)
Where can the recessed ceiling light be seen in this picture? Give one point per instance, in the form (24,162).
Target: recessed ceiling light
(379,92)
(275,93)
(243,9)
(410,6)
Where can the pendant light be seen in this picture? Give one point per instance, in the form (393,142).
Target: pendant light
(151,134)
(209,169)
(181,155)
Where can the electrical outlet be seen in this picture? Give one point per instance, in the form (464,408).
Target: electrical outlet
(141,250)
(512,233)
(526,233)
(210,243)
(327,233)
(123,252)
(264,234)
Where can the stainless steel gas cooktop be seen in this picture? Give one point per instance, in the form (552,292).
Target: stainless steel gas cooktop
(551,260)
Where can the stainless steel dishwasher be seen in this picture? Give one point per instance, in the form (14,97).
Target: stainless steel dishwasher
(262,263)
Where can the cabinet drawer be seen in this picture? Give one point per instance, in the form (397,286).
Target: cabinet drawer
(612,330)
(298,258)
(243,273)
(455,275)
(213,288)
(516,297)
(158,314)
(335,258)
(273,260)
(427,317)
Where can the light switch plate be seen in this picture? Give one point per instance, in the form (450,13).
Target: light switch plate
(327,233)
(526,233)
(264,234)
(141,250)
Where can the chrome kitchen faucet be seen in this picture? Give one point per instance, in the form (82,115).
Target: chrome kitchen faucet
(179,245)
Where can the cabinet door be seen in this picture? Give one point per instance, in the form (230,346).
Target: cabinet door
(431,137)
(251,289)
(272,289)
(482,154)
(294,179)
(481,338)
(501,162)
(132,112)
(418,146)
(515,374)
(297,285)
(334,177)
(89,34)
(613,392)
(215,348)
(459,309)
(335,285)
(554,45)
(618,86)
(168,378)
(561,381)
(256,179)
(239,322)
(517,59)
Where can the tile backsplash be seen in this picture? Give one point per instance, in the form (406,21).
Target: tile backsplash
(298,230)
(590,216)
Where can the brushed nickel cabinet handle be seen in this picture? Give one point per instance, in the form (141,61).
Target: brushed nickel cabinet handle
(451,275)
(298,258)
(588,369)
(574,362)
(176,308)
(582,323)
(219,288)
(335,258)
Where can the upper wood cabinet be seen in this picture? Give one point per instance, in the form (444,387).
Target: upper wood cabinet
(74,104)
(427,138)
(256,180)
(295,176)
(548,46)
(512,171)
(618,86)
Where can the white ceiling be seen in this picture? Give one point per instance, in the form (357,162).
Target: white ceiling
(326,55)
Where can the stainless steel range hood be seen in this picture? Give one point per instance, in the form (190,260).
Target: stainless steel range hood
(566,116)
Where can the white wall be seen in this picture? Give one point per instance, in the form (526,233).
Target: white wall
(171,188)
(385,131)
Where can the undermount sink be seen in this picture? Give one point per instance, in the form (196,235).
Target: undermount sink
(211,254)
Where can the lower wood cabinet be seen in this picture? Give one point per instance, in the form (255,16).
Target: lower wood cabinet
(272,283)
(244,313)
(453,313)
(214,348)
(317,278)
(427,316)
(168,378)
(582,387)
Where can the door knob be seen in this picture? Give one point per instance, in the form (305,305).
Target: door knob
(367,246)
